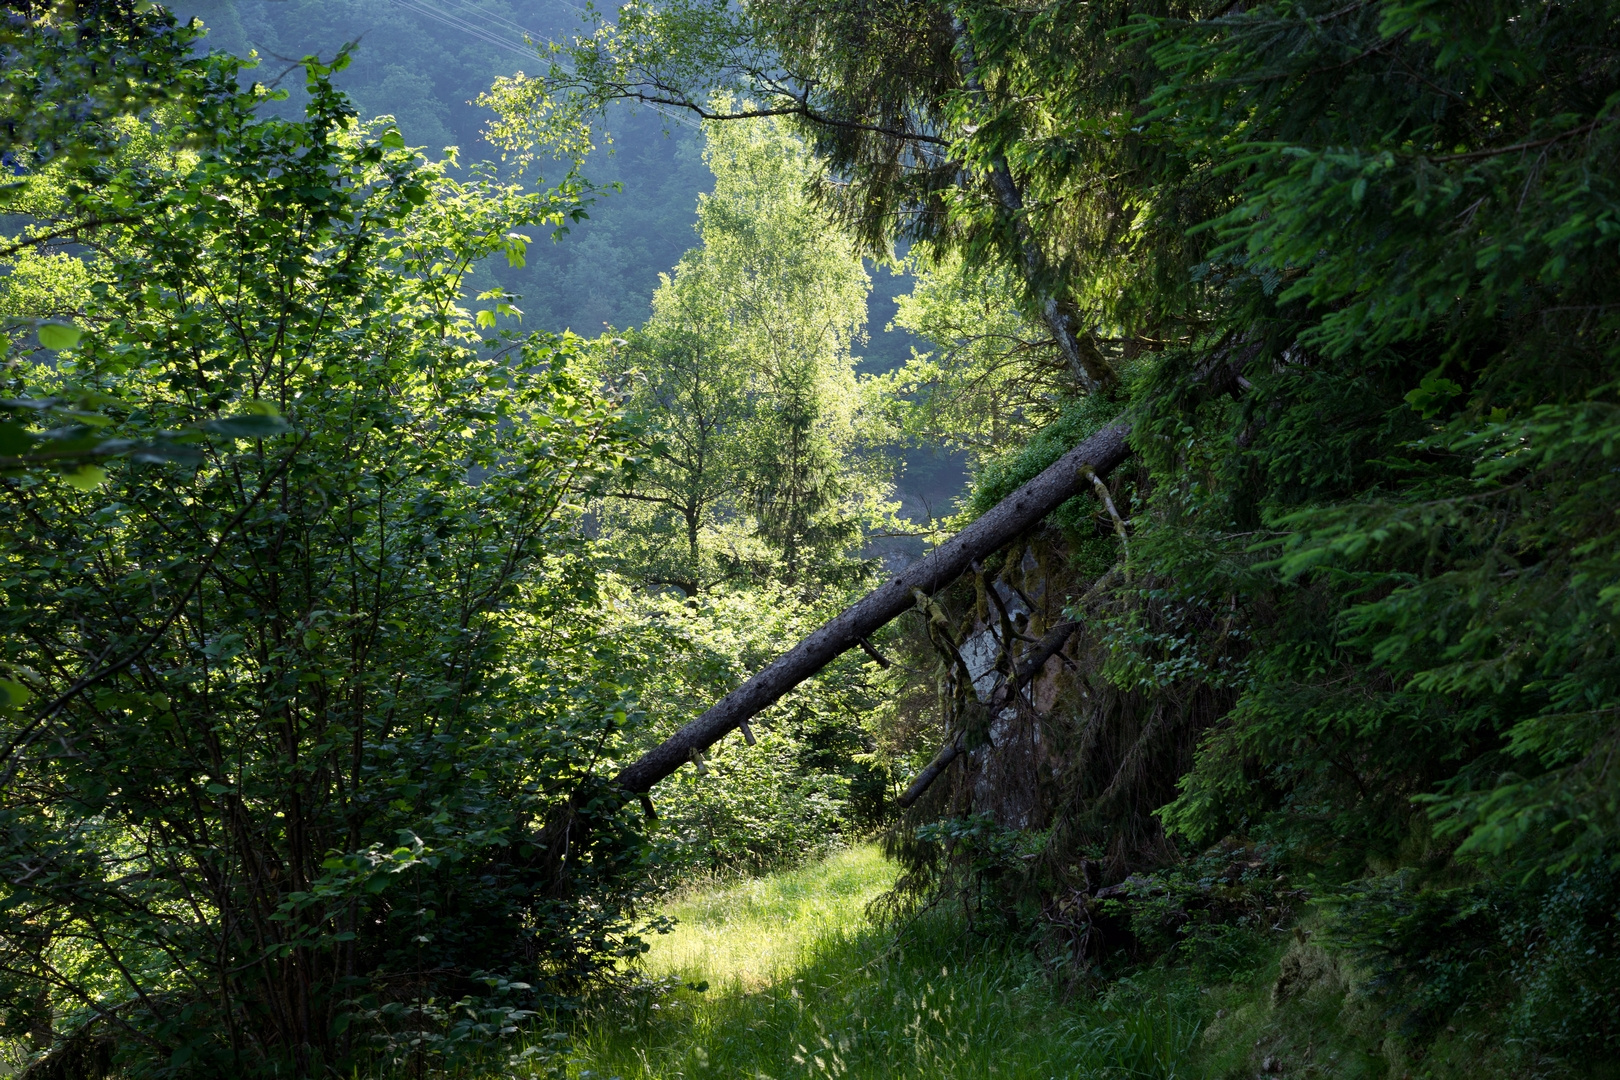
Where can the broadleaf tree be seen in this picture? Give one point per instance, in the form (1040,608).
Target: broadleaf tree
(289,715)
(762,446)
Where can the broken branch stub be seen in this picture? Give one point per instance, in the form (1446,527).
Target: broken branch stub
(1002,524)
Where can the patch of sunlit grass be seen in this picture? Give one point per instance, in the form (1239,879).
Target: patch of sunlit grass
(801,985)
(750,933)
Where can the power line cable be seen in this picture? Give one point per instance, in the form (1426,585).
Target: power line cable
(491,36)
(450,20)
(486,14)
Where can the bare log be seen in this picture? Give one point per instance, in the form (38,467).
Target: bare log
(1049,646)
(1005,522)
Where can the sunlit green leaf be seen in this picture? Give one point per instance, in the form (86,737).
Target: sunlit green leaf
(59,336)
(86,477)
(249,426)
(14,694)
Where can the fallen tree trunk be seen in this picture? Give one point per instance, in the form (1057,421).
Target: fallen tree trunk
(1006,521)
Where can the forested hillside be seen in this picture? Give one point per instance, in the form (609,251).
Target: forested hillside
(416,574)
(425,64)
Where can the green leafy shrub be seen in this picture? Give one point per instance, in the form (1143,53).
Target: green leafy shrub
(810,781)
(301,766)
(1218,913)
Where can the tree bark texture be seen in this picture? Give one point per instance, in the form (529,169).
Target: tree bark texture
(1005,522)
(1079,352)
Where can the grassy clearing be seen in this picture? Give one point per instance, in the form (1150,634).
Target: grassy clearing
(800,984)
(746,934)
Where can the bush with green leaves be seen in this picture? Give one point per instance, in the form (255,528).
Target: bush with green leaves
(300,767)
(1434,954)
(811,779)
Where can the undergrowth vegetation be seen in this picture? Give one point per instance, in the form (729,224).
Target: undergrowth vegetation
(787,976)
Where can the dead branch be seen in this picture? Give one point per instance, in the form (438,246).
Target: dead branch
(1049,646)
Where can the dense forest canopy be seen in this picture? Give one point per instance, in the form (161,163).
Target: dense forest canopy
(341,580)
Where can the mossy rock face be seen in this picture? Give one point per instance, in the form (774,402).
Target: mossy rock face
(1304,968)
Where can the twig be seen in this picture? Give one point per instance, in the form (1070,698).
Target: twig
(1119,523)
(1498,151)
